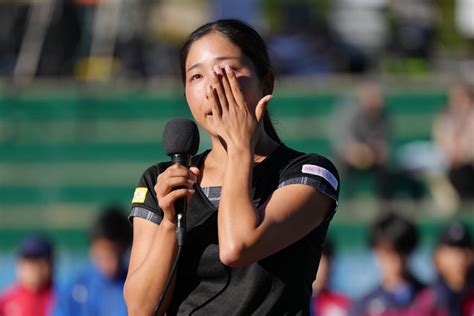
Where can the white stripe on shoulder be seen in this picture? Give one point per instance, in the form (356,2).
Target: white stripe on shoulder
(321,172)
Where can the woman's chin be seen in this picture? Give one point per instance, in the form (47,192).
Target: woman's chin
(208,126)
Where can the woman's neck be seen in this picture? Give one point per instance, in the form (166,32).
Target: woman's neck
(218,155)
(215,163)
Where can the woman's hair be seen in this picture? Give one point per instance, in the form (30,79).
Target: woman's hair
(252,46)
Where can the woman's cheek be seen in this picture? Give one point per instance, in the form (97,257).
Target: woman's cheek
(191,97)
(196,99)
(252,100)
(250,92)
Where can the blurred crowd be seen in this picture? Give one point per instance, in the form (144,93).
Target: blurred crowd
(443,165)
(103,40)
(97,289)
(98,39)
(393,238)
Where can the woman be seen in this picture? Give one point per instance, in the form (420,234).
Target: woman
(258,211)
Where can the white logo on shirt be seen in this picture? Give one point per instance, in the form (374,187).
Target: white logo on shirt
(323,173)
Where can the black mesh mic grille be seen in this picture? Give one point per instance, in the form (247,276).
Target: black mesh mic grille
(181,136)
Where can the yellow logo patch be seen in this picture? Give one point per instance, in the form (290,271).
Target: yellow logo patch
(139,195)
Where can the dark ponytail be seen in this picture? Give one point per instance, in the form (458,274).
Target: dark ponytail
(252,46)
(269,128)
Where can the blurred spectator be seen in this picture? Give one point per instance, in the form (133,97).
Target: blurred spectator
(301,42)
(12,24)
(413,23)
(61,40)
(453,132)
(468,306)
(48,38)
(132,42)
(455,281)
(393,238)
(326,302)
(361,24)
(464,20)
(98,290)
(362,139)
(33,293)
(249,11)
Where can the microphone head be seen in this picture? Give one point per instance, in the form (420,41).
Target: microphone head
(181,136)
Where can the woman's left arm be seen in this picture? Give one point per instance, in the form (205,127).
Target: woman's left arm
(246,234)
(290,213)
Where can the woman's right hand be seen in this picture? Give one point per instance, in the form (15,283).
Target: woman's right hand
(173,177)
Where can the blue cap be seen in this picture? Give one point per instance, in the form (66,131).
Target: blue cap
(455,235)
(35,246)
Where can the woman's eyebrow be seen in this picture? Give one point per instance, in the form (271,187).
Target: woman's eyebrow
(196,65)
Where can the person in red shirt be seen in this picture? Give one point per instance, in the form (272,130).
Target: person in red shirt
(326,302)
(468,306)
(33,293)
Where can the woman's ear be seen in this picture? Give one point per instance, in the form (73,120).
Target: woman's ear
(261,107)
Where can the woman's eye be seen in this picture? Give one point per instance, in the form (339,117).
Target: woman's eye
(194,77)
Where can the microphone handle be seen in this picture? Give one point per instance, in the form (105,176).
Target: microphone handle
(181,205)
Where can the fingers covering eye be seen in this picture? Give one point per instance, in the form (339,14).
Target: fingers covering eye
(235,86)
(219,88)
(225,91)
(212,95)
(228,89)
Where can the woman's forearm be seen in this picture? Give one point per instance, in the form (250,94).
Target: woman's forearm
(144,286)
(237,218)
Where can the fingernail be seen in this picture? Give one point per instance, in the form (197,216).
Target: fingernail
(191,190)
(227,69)
(190,181)
(217,69)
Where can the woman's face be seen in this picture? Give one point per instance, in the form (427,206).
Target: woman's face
(211,50)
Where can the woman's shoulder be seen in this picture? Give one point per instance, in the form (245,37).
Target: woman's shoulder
(306,160)
(155,169)
(313,168)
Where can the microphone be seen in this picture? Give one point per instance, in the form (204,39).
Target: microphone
(181,142)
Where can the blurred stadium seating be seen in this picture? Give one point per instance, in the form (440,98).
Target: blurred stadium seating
(63,152)
(80,134)
(66,152)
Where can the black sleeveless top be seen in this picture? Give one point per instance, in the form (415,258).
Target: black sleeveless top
(277,285)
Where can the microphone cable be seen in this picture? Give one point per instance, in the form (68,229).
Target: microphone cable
(168,282)
(180,236)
